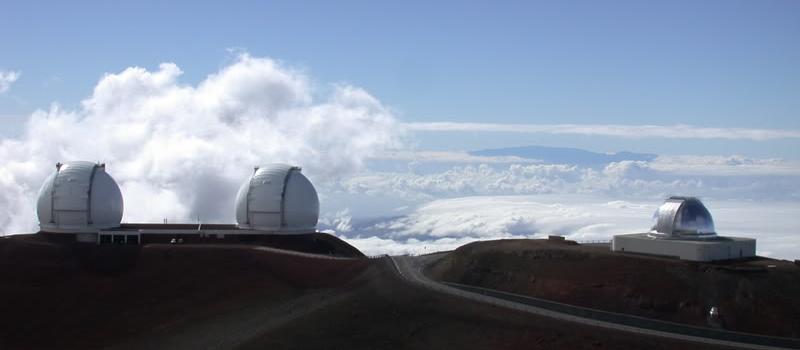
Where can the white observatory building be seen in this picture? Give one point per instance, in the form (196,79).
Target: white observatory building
(81,198)
(683,228)
(277,198)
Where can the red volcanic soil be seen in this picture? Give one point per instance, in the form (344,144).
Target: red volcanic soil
(74,296)
(89,296)
(759,295)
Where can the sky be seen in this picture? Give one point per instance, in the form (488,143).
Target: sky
(712,88)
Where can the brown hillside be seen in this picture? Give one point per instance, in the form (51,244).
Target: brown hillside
(79,295)
(56,296)
(751,296)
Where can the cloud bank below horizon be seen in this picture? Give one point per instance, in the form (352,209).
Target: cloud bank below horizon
(449,223)
(443,209)
(679,131)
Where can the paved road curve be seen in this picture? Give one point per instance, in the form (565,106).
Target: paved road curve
(410,268)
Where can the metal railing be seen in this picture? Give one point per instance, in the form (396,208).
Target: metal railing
(594,241)
(635,321)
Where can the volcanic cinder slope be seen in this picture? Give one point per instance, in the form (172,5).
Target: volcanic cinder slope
(758,295)
(55,295)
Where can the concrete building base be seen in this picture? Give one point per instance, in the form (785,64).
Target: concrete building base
(718,248)
(170,233)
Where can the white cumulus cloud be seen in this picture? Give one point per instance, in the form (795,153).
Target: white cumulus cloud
(181,151)
(6,79)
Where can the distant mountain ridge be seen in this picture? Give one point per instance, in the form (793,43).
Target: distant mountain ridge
(562,155)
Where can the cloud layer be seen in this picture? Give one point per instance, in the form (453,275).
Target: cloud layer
(181,151)
(730,177)
(626,131)
(443,209)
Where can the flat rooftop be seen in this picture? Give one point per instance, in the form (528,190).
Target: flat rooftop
(709,241)
(137,226)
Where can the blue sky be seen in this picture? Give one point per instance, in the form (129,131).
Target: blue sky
(709,63)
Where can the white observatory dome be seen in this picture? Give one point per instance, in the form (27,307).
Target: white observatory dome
(683,217)
(79,197)
(278,198)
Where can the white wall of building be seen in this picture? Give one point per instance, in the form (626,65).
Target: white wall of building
(724,248)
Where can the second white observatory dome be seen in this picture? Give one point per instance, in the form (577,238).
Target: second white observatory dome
(277,198)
